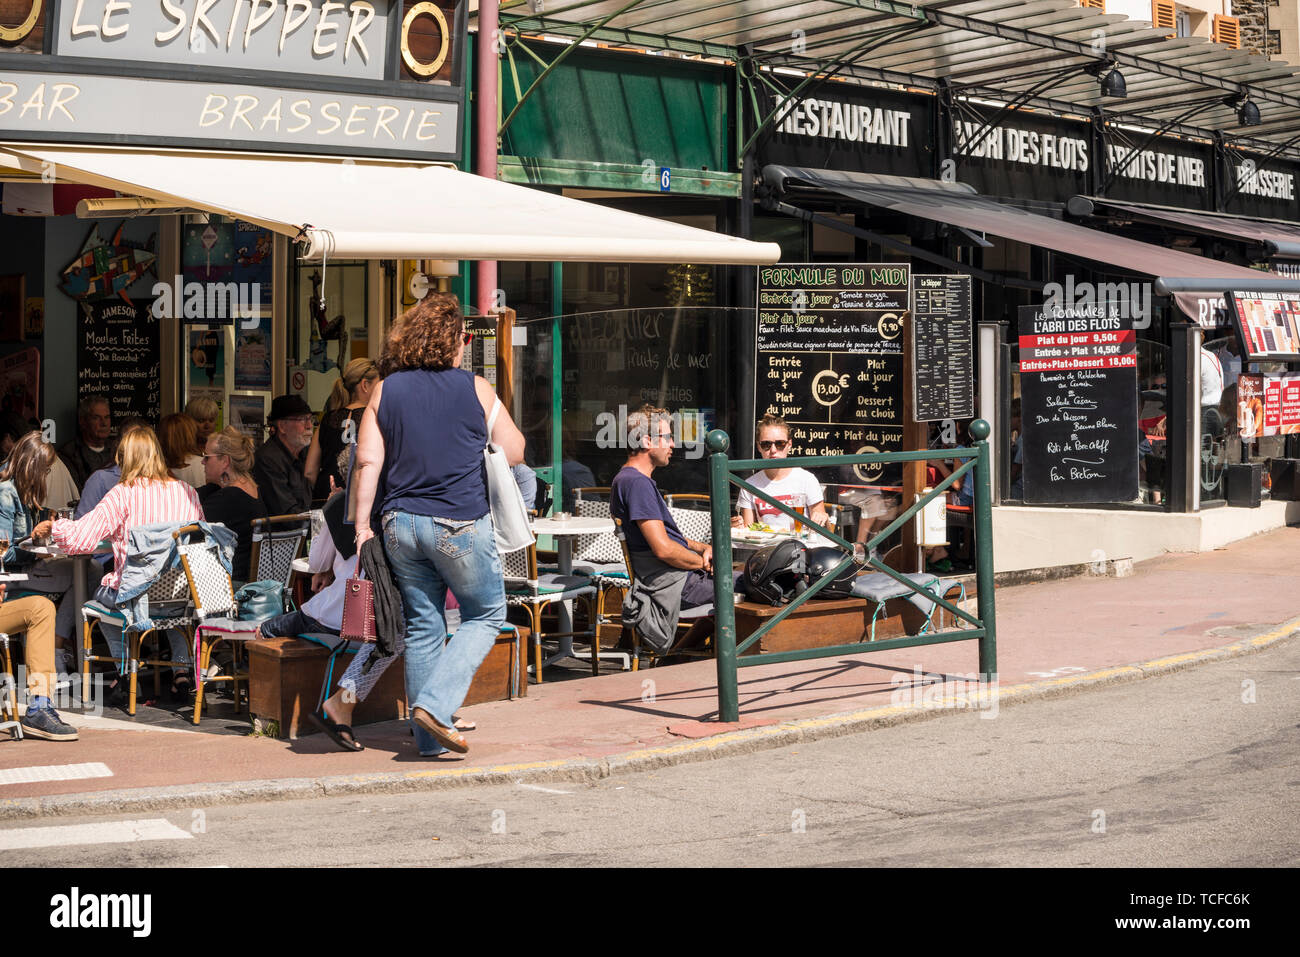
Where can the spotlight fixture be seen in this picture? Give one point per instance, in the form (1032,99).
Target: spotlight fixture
(1113,85)
(1247,112)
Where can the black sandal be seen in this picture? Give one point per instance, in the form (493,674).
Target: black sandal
(340,734)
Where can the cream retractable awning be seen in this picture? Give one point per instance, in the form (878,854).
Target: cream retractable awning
(367,209)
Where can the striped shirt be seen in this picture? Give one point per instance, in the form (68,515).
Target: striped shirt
(143,502)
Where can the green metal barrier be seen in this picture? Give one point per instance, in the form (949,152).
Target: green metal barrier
(722,475)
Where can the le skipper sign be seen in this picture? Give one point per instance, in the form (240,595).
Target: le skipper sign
(371,77)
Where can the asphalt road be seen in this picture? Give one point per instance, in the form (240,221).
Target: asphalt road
(1197,768)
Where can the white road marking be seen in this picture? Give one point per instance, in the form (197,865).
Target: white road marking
(55,772)
(107,832)
(538,787)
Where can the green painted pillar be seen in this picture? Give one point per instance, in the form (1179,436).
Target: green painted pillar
(557,387)
(979,430)
(724,602)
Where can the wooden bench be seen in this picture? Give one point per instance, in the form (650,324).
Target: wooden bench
(285,676)
(838,621)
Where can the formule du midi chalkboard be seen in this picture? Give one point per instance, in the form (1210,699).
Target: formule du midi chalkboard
(829,356)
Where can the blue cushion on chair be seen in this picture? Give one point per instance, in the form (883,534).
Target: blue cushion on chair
(96,609)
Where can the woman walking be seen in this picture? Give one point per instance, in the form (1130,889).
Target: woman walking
(420,467)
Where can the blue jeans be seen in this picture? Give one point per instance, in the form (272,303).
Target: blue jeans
(428,556)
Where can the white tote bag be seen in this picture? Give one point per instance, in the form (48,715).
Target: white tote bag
(509,514)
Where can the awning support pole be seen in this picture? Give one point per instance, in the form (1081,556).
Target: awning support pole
(487,97)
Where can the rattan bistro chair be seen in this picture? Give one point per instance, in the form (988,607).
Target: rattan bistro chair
(277,541)
(525,588)
(213,595)
(169,607)
(688,617)
(8,691)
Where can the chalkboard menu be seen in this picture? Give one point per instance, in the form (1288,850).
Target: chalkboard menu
(117,356)
(943,362)
(1078,392)
(830,356)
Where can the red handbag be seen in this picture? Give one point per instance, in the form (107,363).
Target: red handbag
(359,610)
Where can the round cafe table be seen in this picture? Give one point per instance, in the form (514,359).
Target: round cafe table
(564,532)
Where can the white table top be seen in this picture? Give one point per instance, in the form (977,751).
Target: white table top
(300,565)
(13,577)
(573,526)
(53,551)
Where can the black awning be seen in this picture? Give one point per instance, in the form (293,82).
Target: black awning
(959,205)
(1280,240)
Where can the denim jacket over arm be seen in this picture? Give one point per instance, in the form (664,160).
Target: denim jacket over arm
(150,551)
(16,519)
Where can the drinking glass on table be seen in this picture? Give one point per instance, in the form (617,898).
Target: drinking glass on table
(799,503)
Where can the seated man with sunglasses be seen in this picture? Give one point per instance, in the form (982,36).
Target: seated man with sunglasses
(791,486)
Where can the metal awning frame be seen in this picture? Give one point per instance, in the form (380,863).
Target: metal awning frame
(831,32)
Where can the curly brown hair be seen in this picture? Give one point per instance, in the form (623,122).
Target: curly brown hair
(426,336)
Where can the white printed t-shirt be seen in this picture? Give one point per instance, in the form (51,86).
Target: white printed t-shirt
(799,481)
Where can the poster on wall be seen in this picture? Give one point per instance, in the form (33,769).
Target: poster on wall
(118,356)
(216,395)
(34,317)
(248,414)
(207,349)
(253,261)
(1250,406)
(208,252)
(830,357)
(253,355)
(20,380)
(1078,389)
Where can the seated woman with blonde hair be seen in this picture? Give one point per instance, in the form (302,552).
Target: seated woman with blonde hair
(147,494)
(231,496)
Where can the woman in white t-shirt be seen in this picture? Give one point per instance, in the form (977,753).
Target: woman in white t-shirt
(790,486)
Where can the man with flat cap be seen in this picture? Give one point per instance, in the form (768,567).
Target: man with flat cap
(278,468)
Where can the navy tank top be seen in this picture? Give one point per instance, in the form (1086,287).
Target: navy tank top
(434,434)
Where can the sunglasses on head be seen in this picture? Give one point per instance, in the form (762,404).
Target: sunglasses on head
(778,444)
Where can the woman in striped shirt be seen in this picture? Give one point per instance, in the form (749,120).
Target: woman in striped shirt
(146,494)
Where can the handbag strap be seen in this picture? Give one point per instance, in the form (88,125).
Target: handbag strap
(492,419)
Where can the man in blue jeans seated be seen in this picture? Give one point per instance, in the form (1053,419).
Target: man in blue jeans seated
(672,572)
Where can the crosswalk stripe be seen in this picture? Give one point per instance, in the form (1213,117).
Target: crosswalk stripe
(55,772)
(107,832)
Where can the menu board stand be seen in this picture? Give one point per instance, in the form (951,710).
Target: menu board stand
(1078,388)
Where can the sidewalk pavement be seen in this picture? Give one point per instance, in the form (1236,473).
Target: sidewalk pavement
(1053,637)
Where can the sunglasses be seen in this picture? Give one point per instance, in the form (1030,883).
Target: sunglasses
(778,444)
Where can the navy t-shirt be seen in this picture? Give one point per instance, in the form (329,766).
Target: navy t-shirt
(634,497)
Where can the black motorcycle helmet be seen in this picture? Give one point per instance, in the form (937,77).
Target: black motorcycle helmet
(820,561)
(775,574)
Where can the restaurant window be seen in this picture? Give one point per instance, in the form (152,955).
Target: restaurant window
(323,340)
